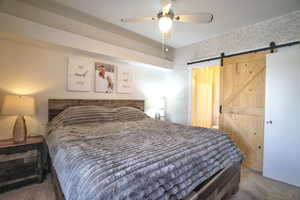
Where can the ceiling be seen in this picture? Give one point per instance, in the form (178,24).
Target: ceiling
(228,15)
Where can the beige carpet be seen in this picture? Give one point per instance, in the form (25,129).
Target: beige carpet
(252,187)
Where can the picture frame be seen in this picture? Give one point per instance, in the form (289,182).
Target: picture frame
(79,74)
(125,80)
(104,77)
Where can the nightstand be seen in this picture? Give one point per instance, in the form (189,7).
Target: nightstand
(22,163)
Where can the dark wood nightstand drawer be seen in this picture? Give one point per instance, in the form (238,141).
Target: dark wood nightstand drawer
(19,171)
(22,163)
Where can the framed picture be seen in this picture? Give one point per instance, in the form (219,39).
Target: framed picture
(104,77)
(125,80)
(79,75)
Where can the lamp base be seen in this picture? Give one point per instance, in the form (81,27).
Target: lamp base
(20,130)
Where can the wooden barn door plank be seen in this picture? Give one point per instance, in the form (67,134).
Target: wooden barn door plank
(242,99)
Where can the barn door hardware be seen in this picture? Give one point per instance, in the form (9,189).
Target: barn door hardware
(271,47)
(222,59)
(220,109)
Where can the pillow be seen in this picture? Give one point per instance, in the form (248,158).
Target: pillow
(91,114)
(84,114)
(129,113)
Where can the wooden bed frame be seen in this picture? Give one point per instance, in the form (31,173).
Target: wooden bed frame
(55,106)
(219,187)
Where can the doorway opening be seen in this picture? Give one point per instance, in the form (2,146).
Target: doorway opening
(206,96)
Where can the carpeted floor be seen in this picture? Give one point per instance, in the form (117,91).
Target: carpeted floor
(252,187)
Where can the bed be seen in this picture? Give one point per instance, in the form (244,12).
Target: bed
(120,153)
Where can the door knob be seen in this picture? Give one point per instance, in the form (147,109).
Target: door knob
(269,122)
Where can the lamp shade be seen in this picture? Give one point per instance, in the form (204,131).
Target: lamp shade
(18,105)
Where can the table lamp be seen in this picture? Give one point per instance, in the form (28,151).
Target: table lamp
(160,107)
(20,106)
(156,107)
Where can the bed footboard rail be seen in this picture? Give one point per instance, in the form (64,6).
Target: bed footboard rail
(219,187)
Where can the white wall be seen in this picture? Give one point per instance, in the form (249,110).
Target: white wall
(40,71)
(281,29)
(11,25)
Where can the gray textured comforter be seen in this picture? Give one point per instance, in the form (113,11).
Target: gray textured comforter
(144,159)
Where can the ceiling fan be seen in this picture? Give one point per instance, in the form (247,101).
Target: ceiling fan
(166,17)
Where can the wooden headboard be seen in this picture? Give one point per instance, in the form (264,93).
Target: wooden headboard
(55,106)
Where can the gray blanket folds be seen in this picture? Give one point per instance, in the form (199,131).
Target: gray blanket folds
(143,159)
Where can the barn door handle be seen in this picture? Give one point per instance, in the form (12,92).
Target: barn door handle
(220,109)
(269,122)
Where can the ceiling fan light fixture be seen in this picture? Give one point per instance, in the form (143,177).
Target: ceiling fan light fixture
(165,24)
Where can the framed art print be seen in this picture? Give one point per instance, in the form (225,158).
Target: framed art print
(104,77)
(79,75)
(125,80)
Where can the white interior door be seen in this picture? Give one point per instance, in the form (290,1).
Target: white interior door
(282,115)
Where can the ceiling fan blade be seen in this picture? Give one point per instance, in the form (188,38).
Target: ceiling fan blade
(165,5)
(141,19)
(199,18)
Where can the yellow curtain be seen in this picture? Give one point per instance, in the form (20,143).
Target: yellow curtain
(205,96)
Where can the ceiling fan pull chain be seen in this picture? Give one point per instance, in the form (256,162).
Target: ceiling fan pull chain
(163,43)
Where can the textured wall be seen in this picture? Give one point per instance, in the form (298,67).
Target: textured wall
(41,71)
(281,29)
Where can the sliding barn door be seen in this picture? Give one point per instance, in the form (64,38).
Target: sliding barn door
(243,100)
